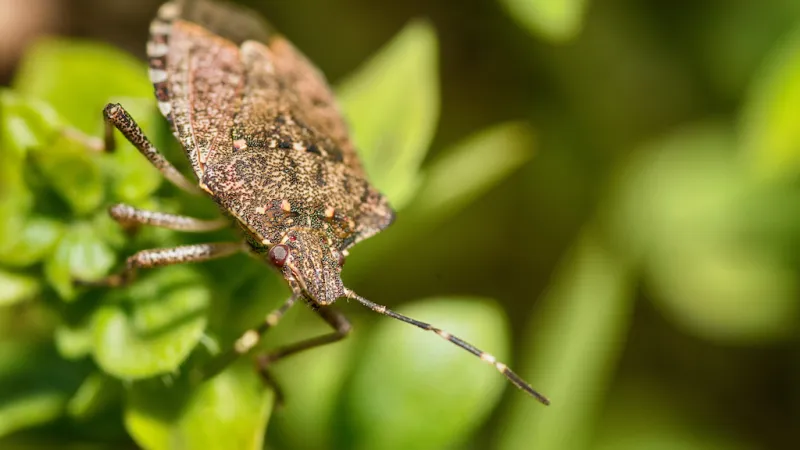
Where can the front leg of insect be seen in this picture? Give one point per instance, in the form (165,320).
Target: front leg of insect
(117,117)
(129,217)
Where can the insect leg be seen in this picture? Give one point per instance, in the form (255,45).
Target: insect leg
(515,379)
(248,339)
(332,317)
(130,218)
(157,257)
(116,117)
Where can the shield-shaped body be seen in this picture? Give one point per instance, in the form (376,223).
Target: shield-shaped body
(265,139)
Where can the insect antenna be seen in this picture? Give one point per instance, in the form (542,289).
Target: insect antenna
(486,357)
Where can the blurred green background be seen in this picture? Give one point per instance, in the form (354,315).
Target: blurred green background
(604,194)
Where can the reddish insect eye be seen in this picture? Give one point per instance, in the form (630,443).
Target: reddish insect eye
(340,258)
(278,254)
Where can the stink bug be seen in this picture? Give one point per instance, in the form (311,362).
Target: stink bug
(267,143)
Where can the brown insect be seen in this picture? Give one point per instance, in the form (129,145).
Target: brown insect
(268,144)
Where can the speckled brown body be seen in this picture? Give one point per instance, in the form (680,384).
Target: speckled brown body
(266,141)
(316,206)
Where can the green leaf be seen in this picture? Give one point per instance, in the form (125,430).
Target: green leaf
(73,342)
(73,172)
(32,243)
(450,182)
(681,189)
(15,205)
(95,394)
(575,338)
(646,415)
(229,411)
(79,78)
(15,288)
(392,103)
(32,395)
(556,20)
(26,123)
(432,393)
(31,410)
(16,201)
(17,135)
(80,254)
(82,103)
(471,168)
(771,138)
(151,326)
(748,296)
(682,208)
(109,230)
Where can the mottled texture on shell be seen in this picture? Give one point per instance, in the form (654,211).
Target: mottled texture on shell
(265,138)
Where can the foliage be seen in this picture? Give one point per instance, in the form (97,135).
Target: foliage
(557,20)
(136,348)
(648,252)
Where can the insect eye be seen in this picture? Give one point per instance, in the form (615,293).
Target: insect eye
(278,254)
(340,258)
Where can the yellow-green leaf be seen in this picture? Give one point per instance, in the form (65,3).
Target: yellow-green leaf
(471,168)
(80,254)
(153,325)
(683,209)
(31,410)
(432,393)
(73,172)
(556,20)
(230,411)
(770,136)
(15,287)
(96,392)
(575,337)
(32,243)
(392,104)
(88,75)
(30,394)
